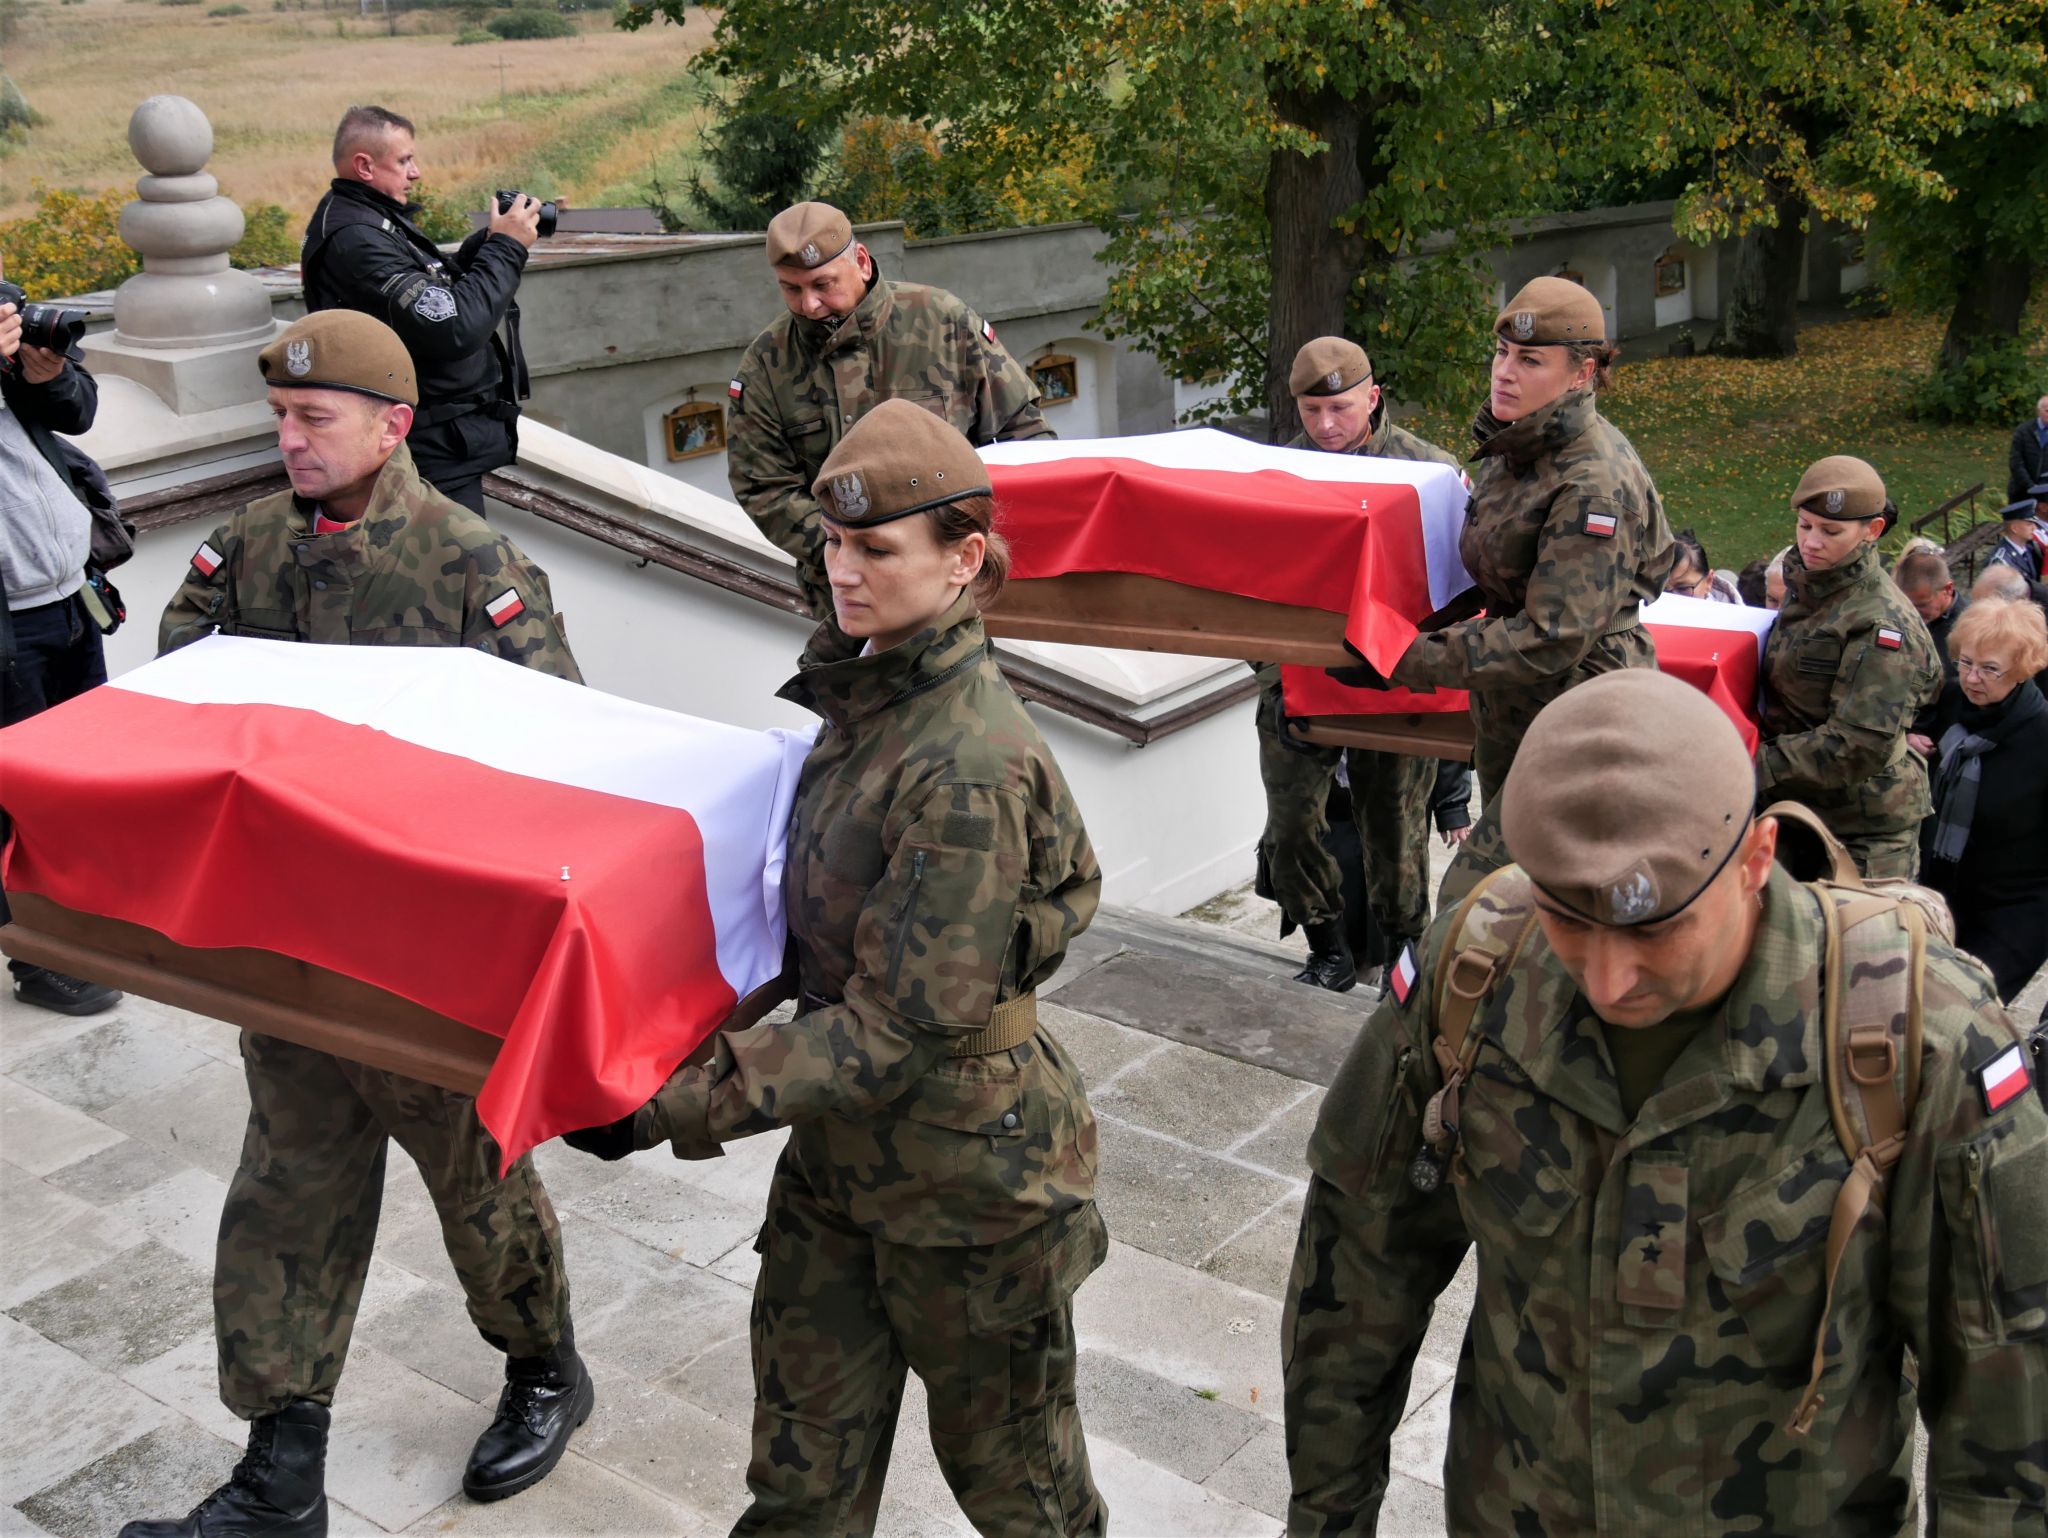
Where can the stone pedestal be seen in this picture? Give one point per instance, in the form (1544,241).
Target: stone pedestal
(188,326)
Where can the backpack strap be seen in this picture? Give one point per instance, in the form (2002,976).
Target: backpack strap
(1870,1056)
(1486,937)
(1842,865)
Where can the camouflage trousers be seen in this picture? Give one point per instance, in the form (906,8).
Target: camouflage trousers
(1390,804)
(1880,855)
(839,1316)
(301,1219)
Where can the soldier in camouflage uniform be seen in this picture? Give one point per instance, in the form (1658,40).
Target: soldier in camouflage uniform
(1565,540)
(362,552)
(1646,1163)
(1846,668)
(1344,413)
(853,338)
(934,1205)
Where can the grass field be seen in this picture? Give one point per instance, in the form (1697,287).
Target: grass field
(587,119)
(1726,439)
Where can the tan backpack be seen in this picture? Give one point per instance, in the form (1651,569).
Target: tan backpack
(1876,932)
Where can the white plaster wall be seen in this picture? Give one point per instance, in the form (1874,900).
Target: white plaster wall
(1854,276)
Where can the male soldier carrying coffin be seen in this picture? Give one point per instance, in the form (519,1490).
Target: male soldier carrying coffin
(363,252)
(851,340)
(362,552)
(1343,412)
(1693,1309)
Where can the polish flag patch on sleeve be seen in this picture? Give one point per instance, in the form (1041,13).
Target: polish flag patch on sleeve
(206,560)
(735,389)
(1891,640)
(1401,976)
(1600,525)
(505,608)
(988,333)
(2004,1079)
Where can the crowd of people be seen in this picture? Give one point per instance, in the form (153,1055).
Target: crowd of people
(1728,1145)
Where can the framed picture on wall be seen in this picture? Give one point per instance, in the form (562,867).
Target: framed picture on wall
(694,429)
(1670,274)
(1055,379)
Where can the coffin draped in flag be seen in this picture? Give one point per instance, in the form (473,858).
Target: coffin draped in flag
(596,882)
(1715,647)
(1375,540)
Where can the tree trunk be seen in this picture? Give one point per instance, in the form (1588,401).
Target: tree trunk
(1760,318)
(1313,262)
(1990,302)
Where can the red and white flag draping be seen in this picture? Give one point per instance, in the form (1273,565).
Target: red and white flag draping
(592,880)
(1716,647)
(1215,511)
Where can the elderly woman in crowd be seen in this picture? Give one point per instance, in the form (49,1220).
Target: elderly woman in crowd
(1986,846)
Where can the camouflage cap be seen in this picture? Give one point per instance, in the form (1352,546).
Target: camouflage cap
(1551,311)
(1329,365)
(1627,797)
(897,460)
(1840,486)
(341,350)
(808,235)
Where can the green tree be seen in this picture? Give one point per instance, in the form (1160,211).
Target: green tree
(761,159)
(1789,111)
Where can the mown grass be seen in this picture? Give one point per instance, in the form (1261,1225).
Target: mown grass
(274,84)
(1726,439)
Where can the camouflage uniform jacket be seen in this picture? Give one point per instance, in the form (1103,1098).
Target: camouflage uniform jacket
(1565,537)
(1384,441)
(1648,1292)
(1847,666)
(937,867)
(803,383)
(414,570)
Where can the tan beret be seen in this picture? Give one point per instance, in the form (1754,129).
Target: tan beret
(897,460)
(341,350)
(1627,797)
(1329,365)
(1550,311)
(1840,486)
(808,235)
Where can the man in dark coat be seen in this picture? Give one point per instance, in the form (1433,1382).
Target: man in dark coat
(2027,464)
(364,252)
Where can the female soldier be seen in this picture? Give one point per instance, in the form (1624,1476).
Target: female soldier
(1565,539)
(1845,668)
(934,1205)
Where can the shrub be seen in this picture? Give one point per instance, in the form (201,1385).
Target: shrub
(229,10)
(528,24)
(71,244)
(439,219)
(470,35)
(1997,384)
(15,112)
(267,241)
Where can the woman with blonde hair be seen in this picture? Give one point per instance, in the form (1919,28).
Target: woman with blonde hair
(1986,846)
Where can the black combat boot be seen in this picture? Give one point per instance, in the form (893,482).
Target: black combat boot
(545,1399)
(1329,958)
(278,1490)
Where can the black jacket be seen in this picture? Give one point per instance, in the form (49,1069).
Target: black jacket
(1938,630)
(1998,890)
(364,253)
(67,404)
(2027,464)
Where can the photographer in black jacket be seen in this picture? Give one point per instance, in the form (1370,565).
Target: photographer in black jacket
(49,641)
(363,252)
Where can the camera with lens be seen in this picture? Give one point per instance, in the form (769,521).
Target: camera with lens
(549,212)
(44,325)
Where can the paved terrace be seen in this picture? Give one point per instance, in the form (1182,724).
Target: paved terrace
(117,1135)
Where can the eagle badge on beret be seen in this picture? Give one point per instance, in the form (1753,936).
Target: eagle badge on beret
(1525,324)
(809,255)
(1834,500)
(298,359)
(1334,379)
(849,496)
(1634,897)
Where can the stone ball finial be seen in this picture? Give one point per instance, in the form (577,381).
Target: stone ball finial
(170,136)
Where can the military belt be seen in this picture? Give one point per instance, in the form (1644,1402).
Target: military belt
(1012,1023)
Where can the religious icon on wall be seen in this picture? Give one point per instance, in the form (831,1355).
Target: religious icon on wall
(694,429)
(1670,273)
(1054,375)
